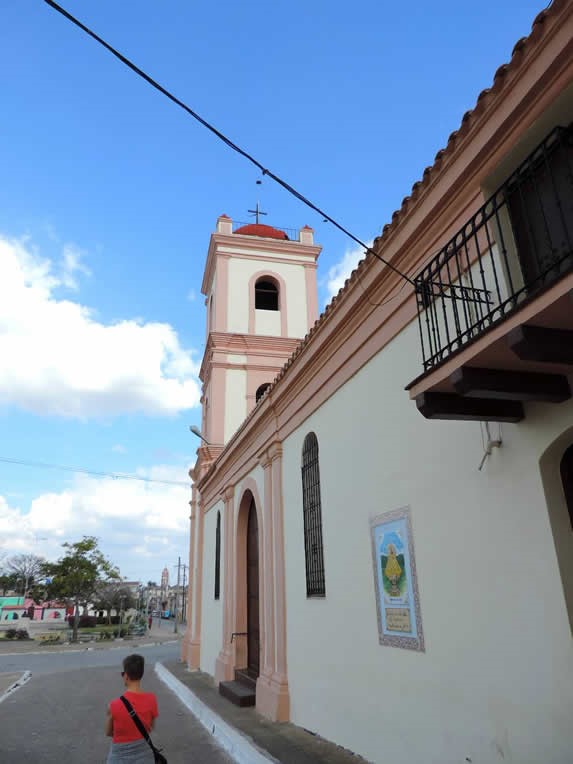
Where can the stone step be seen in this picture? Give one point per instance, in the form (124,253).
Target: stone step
(238,693)
(243,676)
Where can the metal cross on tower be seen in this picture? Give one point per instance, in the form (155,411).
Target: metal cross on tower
(256,212)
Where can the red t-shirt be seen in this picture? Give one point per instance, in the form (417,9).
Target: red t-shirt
(124,729)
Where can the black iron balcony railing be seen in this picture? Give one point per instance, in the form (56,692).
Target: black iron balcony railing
(518,243)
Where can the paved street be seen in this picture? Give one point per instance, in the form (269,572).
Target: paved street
(58,716)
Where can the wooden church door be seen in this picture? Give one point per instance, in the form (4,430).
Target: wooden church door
(253,635)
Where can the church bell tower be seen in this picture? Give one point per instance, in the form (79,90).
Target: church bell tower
(261,299)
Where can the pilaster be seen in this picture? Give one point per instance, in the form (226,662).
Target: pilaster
(186,642)
(272,686)
(225,663)
(194,654)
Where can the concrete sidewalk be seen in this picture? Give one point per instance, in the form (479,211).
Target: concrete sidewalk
(245,734)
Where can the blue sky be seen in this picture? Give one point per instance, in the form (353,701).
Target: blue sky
(109,193)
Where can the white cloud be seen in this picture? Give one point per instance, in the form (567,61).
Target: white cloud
(191,296)
(57,359)
(72,264)
(341,270)
(10,524)
(119,449)
(141,526)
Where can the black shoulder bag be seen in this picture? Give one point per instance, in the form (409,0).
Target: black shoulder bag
(159,757)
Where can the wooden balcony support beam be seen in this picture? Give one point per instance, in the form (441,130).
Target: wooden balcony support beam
(451,406)
(538,343)
(499,384)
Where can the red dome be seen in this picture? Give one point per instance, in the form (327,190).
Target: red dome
(260,229)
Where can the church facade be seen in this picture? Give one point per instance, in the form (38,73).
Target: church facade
(381,546)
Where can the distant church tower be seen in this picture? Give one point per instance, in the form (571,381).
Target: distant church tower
(164,582)
(261,298)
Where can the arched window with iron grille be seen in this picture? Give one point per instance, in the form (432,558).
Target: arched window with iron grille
(218,557)
(266,294)
(312,513)
(261,391)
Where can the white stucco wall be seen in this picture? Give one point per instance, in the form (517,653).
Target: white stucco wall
(240,272)
(496,681)
(212,609)
(268,323)
(235,400)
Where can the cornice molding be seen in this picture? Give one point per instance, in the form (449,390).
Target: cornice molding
(245,344)
(233,245)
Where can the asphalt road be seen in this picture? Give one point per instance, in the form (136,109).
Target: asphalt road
(58,716)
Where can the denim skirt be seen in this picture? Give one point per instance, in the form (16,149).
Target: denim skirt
(136,752)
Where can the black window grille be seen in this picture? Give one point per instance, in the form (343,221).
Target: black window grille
(266,295)
(261,391)
(312,513)
(218,557)
(540,199)
(476,280)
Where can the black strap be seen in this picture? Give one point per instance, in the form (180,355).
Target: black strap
(137,721)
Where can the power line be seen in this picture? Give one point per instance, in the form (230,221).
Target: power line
(84,471)
(222,137)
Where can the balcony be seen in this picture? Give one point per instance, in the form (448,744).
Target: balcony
(495,307)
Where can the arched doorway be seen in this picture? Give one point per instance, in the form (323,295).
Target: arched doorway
(253,623)
(556,465)
(243,657)
(566,469)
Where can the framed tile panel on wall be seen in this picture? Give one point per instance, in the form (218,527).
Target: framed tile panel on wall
(396,583)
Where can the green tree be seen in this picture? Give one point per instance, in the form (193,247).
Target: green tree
(78,574)
(8,582)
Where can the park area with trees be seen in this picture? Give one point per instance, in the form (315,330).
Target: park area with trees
(81,580)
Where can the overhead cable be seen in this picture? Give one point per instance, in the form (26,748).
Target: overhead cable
(264,170)
(96,473)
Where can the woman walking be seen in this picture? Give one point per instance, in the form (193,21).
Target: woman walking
(128,744)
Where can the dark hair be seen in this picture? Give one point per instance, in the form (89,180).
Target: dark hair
(133,665)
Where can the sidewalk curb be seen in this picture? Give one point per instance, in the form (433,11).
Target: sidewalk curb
(241,748)
(16,685)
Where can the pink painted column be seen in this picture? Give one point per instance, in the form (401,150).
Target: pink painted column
(194,658)
(215,424)
(267,626)
(311,294)
(272,688)
(186,643)
(280,679)
(225,663)
(222,294)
